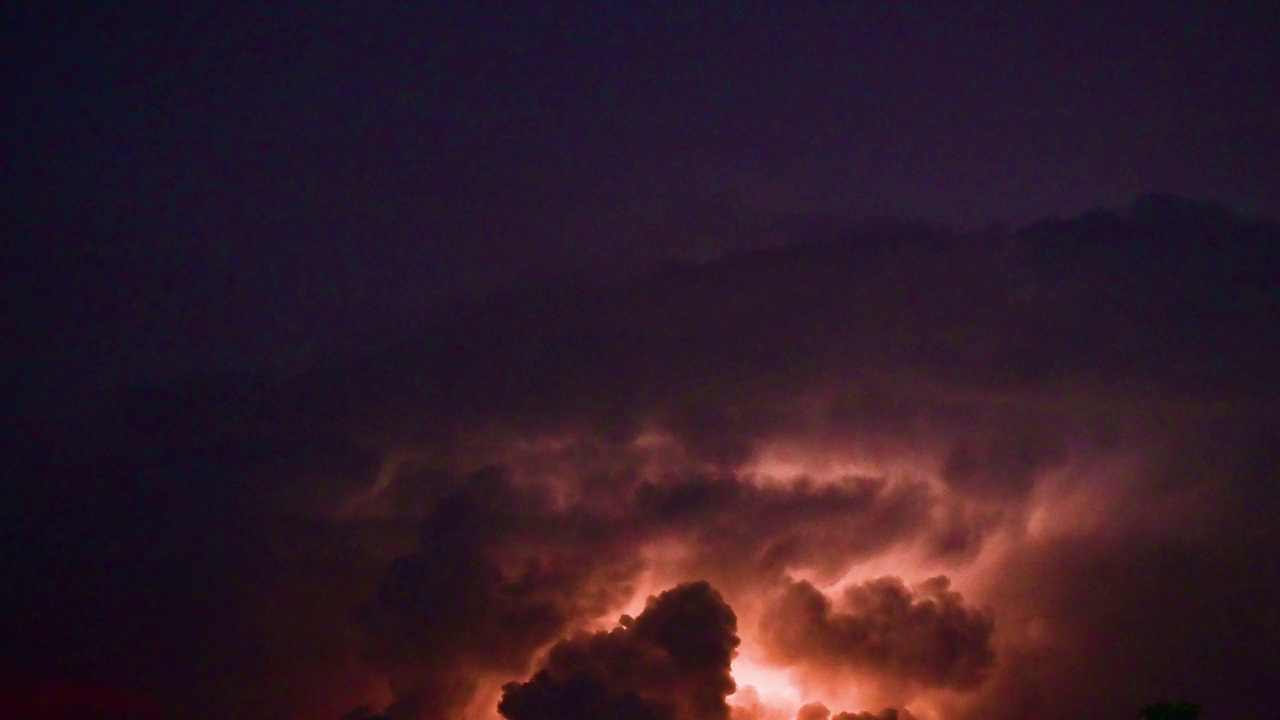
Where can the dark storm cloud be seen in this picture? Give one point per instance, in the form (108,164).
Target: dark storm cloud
(818,711)
(813,711)
(1006,456)
(551,438)
(671,662)
(773,528)
(886,714)
(1167,599)
(500,570)
(365,712)
(1176,293)
(497,575)
(906,320)
(1162,618)
(925,635)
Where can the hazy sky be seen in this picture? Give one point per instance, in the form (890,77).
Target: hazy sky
(982,465)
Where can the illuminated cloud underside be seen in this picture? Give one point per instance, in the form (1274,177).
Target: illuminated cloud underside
(938,477)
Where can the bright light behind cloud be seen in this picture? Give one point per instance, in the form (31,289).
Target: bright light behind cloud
(773,685)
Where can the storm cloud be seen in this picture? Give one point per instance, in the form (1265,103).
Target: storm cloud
(924,634)
(818,711)
(671,662)
(944,467)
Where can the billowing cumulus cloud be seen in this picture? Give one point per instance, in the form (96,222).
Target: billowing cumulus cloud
(1074,423)
(669,663)
(502,570)
(925,635)
(886,714)
(497,574)
(818,711)
(772,528)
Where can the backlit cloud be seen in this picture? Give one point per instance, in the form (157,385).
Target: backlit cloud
(911,469)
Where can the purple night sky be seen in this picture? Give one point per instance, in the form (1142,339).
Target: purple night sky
(221,183)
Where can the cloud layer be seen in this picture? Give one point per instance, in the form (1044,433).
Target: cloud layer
(934,471)
(670,662)
(924,635)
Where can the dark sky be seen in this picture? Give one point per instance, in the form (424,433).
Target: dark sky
(642,361)
(222,183)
